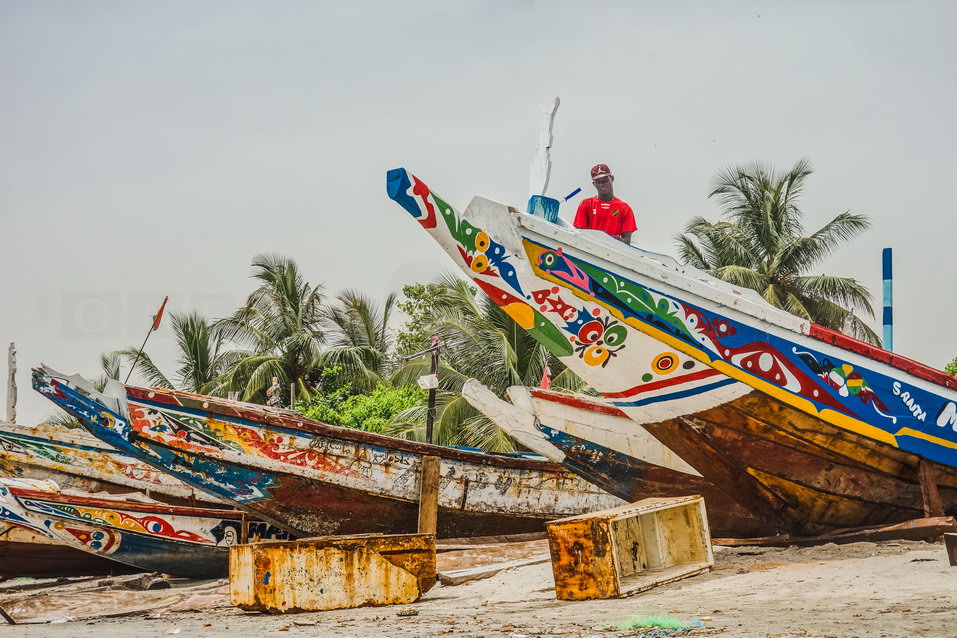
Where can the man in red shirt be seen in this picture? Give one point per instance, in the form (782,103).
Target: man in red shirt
(605,211)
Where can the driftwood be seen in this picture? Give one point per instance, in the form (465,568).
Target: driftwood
(452,544)
(460,576)
(7,617)
(914,530)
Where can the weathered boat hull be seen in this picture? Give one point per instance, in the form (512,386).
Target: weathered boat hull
(803,450)
(311,478)
(24,553)
(76,461)
(566,429)
(147,535)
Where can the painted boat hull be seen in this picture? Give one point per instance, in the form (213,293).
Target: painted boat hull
(311,478)
(76,461)
(567,429)
(135,531)
(27,554)
(716,390)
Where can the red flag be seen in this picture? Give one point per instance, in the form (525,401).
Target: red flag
(158,317)
(546,378)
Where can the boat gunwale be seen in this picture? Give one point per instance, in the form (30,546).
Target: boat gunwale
(125,505)
(264,416)
(693,285)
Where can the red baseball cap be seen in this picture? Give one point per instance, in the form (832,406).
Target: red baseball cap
(600,170)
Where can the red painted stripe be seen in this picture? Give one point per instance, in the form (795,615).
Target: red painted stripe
(125,505)
(704,373)
(576,401)
(915,368)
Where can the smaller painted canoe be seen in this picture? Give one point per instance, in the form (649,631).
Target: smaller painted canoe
(131,529)
(604,446)
(24,552)
(311,478)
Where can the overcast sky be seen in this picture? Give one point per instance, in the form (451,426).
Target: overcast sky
(152,148)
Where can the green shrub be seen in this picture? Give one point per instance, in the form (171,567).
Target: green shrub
(369,412)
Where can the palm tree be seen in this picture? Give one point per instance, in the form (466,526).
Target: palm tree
(202,355)
(762,246)
(361,342)
(282,329)
(478,340)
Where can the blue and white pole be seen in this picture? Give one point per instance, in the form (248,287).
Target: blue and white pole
(888,300)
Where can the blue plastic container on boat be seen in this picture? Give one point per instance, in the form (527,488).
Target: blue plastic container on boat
(542,206)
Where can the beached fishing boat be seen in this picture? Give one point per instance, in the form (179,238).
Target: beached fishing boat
(808,428)
(131,529)
(603,445)
(76,461)
(312,478)
(27,553)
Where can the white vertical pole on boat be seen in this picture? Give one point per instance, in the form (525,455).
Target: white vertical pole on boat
(12,384)
(886,259)
(541,170)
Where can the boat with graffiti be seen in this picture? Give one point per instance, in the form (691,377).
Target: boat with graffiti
(602,445)
(810,429)
(76,461)
(312,478)
(131,528)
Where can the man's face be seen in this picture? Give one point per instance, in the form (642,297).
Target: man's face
(603,185)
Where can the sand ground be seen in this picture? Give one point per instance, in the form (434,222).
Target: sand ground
(886,590)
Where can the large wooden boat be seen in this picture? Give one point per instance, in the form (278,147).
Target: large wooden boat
(27,553)
(805,427)
(76,461)
(602,445)
(311,478)
(131,529)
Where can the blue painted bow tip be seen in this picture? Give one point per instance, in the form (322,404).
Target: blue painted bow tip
(394,180)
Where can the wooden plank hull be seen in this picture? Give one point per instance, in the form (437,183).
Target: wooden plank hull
(182,541)
(547,422)
(24,553)
(810,436)
(311,478)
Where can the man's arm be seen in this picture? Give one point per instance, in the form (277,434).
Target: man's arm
(628,225)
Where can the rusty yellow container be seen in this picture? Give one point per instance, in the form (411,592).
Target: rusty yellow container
(628,549)
(331,572)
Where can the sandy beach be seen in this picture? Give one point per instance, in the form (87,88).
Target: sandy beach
(859,590)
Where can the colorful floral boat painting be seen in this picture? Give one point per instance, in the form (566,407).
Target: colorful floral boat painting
(130,529)
(28,553)
(79,462)
(805,427)
(602,445)
(311,478)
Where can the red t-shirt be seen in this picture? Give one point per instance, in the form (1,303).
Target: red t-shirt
(614,217)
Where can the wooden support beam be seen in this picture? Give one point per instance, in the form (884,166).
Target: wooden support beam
(429,495)
(12,384)
(7,617)
(933,506)
(950,542)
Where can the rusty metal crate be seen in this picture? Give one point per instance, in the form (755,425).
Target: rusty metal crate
(628,549)
(331,572)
